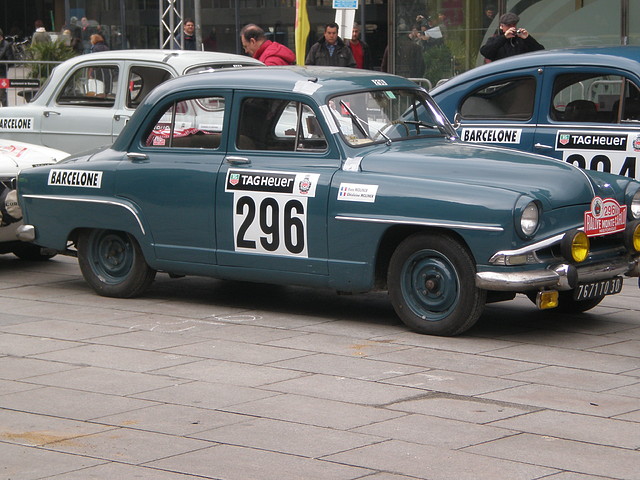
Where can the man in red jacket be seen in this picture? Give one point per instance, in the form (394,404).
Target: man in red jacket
(255,43)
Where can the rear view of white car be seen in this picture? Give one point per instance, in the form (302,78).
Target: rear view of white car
(16,156)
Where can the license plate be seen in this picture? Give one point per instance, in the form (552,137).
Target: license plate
(586,291)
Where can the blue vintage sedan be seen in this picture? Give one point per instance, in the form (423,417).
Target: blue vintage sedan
(340,178)
(581,106)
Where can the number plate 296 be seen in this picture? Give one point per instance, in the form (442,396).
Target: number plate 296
(586,291)
(270,224)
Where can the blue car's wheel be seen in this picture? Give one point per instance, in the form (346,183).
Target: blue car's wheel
(431,282)
(113,264)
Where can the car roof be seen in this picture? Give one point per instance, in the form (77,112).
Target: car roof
(317,82)
(624,57)
(180,60)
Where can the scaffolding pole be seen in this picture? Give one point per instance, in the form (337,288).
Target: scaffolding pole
(171,17)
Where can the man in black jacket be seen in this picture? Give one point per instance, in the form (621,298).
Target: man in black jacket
(510,41)
(330,50)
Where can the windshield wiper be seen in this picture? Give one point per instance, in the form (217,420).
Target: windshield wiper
(421,123)
(361,123)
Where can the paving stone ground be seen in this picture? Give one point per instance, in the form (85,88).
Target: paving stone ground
(202,378)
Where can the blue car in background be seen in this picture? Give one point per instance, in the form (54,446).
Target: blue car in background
(581,106)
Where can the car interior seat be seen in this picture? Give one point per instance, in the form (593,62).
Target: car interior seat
(581,111)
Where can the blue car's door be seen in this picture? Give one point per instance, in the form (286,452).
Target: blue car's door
(500,109)
(590,117)
(273,186)
(171,175)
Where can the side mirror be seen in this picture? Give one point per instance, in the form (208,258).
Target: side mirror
(457,120)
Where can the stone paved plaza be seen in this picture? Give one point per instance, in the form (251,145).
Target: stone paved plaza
(202,378)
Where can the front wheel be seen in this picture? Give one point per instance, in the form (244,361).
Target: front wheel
(431,281)
(113,264)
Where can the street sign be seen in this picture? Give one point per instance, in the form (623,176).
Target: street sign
(19,82)
(345,4)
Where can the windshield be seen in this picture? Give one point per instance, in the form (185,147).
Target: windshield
(388,115)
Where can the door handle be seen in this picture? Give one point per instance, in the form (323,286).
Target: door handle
(543,147)
(118,117)
(137,157)
(238,160)
(48,113)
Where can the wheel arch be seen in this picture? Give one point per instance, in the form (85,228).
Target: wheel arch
(392,238)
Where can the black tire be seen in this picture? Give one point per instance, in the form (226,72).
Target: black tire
(113,264)
(30,252)
(431,282)
(567,304)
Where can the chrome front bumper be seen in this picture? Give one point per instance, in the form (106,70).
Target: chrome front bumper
(559,277)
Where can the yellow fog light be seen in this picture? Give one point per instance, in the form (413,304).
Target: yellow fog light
(632,236)
(547,299)
(575,246)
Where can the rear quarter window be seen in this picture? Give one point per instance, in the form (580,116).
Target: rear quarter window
(511,99)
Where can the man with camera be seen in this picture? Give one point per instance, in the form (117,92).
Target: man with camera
(510,40)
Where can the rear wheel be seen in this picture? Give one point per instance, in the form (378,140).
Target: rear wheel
(431,281)
(113,264)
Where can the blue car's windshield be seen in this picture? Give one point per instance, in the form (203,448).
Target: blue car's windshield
(387,115)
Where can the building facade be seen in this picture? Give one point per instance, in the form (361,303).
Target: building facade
(430,39)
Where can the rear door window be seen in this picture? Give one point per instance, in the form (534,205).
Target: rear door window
(510,99)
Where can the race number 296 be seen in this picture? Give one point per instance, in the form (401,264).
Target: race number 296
(270,224)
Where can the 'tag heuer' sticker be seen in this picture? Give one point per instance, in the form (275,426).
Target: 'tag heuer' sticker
(591,141)
(606,216)
(75,178)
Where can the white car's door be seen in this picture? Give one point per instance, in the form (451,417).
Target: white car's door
(81,114)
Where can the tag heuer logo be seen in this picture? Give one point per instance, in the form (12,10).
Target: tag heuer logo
(564,139)
(234,178)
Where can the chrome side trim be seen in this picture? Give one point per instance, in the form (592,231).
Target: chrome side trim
(92,200)
(529,248)
(462,226)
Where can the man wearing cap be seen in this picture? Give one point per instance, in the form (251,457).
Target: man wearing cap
(510,40)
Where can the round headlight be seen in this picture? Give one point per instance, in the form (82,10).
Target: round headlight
(529,219)
(635,206)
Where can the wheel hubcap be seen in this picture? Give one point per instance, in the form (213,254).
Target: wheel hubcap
(112,256)
(430,285)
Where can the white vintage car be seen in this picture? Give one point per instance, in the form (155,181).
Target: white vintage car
(16,156)
(88,99)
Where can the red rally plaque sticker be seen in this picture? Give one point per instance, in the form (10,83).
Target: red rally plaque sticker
(605,217)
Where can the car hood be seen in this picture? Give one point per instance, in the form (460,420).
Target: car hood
(554,182)
(15,156)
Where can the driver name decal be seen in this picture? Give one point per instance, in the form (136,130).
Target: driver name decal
(16,124)
(491,135)
(75,178)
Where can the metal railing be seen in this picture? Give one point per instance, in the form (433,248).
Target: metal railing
(24,78)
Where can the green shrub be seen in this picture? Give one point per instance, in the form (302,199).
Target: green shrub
(56,51)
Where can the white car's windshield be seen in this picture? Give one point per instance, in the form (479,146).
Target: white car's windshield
(387,115)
